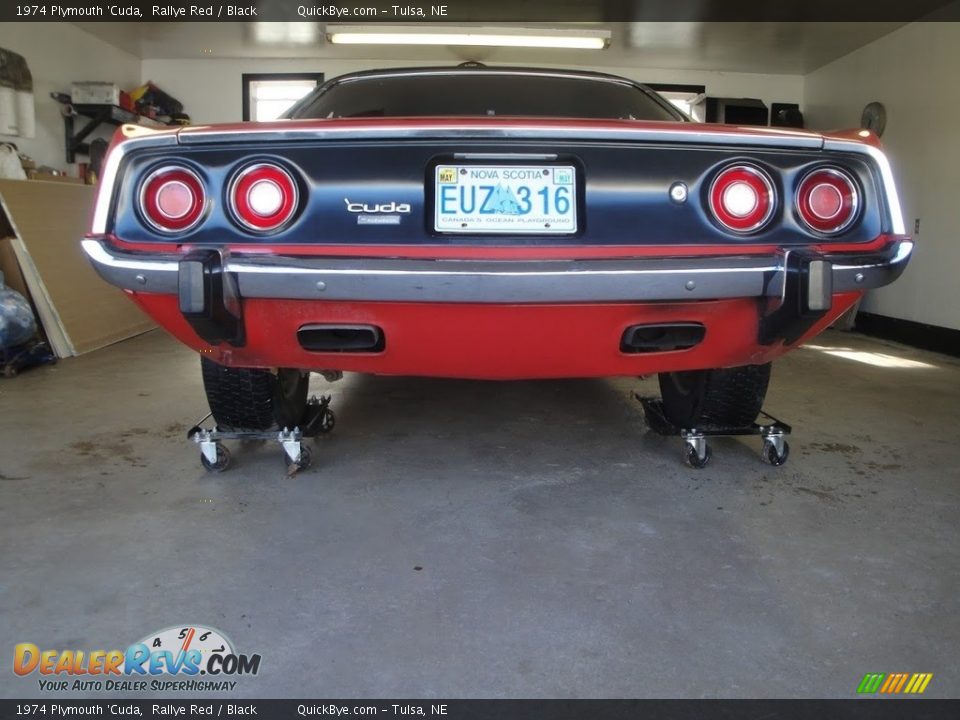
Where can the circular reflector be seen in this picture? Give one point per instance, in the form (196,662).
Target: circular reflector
(827,200)
(742,198)
(263,197)
(172,199)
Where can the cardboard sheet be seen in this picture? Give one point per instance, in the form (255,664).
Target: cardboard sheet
(45,222)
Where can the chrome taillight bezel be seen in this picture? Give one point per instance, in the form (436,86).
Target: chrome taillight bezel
(820,225)
(149,207)
(760,181)
(237,197)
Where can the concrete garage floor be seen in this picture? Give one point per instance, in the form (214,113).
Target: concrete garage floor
(464,539)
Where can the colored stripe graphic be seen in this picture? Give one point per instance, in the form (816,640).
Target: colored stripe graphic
(919,683)
(894,683)
(891,681)
(870,683)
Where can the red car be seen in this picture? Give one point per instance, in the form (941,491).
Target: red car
(496,224)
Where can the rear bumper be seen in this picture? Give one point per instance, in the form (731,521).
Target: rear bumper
(510,281)
(490,341)
(501,319)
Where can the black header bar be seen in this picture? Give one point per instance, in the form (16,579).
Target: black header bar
(464,11)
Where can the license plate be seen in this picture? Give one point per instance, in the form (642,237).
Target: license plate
(514,199)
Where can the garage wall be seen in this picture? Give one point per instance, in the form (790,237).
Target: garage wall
(913,72)
(58,54)
(213,92)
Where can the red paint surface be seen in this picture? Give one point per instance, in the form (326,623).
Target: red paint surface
(489,341)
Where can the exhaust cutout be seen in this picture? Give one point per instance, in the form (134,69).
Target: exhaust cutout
(341,338)
(662,337)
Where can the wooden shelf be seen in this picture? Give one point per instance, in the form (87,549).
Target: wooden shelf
(75,140)
(117,115)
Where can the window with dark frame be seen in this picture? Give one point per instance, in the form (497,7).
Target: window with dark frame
(686,98)
(267,95)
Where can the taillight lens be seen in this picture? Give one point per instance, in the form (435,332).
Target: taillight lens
(827,200)
(742,198)
(263,197)
(172,199)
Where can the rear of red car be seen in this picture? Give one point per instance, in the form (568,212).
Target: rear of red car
(380,235)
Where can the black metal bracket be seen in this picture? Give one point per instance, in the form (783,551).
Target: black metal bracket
(209,299)
(75,142)
(807,296)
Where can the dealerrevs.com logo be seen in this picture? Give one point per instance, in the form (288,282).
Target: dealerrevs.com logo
(180,658)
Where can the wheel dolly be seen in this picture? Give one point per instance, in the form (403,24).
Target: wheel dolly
(318,419)
(696,450)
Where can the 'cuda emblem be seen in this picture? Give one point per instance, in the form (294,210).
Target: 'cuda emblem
(390,207)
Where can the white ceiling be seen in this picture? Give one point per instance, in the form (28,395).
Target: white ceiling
(767,47)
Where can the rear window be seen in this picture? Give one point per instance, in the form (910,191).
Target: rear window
(472,95)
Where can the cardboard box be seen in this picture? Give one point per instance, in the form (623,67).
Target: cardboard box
(42,223)
(49,177)
(94,93)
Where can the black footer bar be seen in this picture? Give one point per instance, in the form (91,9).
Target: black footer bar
(203,709)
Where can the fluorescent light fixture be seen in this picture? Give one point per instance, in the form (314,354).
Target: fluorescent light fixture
(469,36)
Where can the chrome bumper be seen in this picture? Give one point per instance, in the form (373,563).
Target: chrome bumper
(518,281)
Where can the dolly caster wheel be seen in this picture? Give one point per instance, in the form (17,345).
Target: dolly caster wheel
(692,458)
(772,456)
(302,464)
(327,421)
(223,460)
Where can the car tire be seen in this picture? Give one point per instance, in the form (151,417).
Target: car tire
(722,398)
(253,399)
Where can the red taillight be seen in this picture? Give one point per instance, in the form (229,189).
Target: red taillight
(827,200)
(172,199)
(263,197)
(742,198)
